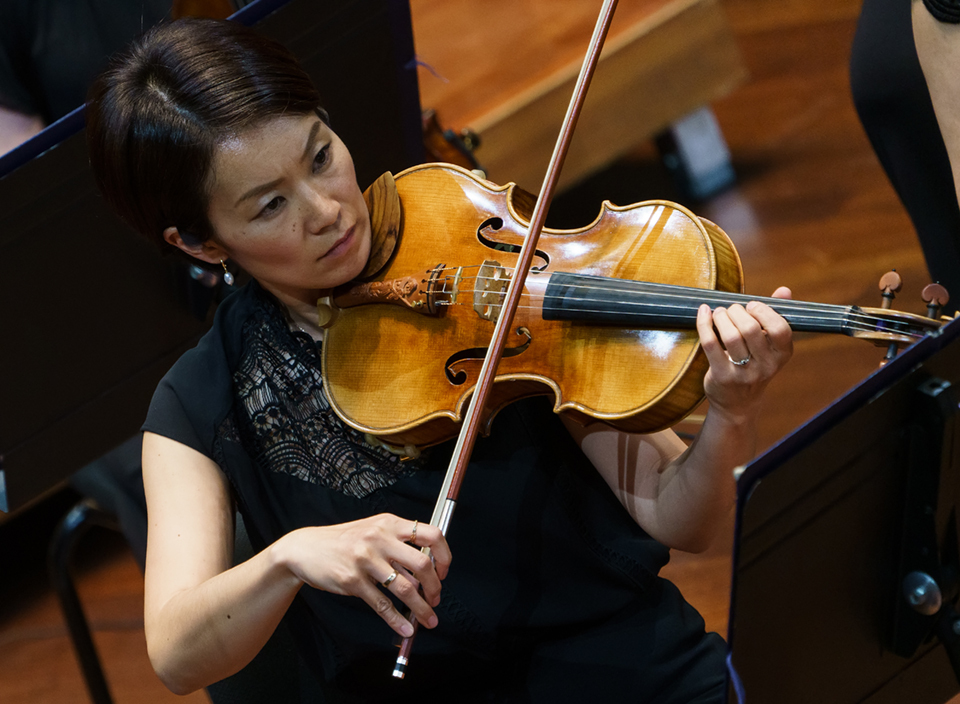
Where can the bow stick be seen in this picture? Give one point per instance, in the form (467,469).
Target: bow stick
(447,500)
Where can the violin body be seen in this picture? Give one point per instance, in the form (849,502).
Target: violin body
(405,375)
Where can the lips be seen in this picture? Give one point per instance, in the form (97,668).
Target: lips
(339,246)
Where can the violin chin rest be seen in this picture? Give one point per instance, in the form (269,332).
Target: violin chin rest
(386,217)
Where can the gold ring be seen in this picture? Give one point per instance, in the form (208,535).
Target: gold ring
(413,533)
(386,583)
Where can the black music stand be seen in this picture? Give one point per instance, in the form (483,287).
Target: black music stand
(837,526)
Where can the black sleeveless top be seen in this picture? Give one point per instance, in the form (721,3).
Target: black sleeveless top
(540,543)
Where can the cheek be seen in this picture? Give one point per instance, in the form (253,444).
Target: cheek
(282,251)
(259,248)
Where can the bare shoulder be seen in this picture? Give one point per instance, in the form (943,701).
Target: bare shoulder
(170,467)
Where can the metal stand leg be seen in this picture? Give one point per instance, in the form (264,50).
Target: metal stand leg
(85,514)
(948,631)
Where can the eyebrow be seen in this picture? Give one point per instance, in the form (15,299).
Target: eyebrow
(307,153)
(258,190)
(311,139)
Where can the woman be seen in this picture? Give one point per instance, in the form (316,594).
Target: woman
(208,139)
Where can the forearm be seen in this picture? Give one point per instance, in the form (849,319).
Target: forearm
(746,347)
(653,476)
(205,633)
(209,629)
(697,491)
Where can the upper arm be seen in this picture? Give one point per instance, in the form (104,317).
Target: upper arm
(190,519)
(632,465)
(938,50)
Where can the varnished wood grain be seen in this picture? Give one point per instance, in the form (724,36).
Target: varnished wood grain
(480,57)
(510,76)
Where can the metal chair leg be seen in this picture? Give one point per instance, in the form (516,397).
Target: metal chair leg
(73,526)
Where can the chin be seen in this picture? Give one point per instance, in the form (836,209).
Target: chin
(364,246)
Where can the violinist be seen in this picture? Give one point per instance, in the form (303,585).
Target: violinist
(209,139)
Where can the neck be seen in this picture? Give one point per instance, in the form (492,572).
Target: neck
(301,307)
(303,316)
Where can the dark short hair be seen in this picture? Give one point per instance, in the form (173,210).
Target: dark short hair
(155,117)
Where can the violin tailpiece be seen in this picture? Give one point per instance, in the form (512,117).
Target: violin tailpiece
(407,292)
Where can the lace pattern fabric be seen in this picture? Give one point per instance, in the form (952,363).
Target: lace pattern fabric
(284,418)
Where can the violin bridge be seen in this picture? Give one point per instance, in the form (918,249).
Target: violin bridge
(455,286)
(490,290)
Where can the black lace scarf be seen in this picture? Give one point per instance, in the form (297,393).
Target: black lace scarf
(285,421)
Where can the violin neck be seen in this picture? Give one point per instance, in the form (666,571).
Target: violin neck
(596,299)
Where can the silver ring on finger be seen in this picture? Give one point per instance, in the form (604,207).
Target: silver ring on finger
(739,362)
(389,580)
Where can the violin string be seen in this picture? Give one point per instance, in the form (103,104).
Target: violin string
(828,311)
(854,321)
(680,293)
(686,294)
(850,317)
(861,323)
(669,297)
(675,296)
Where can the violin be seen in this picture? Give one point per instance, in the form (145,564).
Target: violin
(606,321)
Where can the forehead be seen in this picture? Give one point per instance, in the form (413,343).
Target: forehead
(260,153)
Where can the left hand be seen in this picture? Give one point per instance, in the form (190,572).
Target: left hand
(758,338)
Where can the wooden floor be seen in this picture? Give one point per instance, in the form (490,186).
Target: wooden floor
(811,210)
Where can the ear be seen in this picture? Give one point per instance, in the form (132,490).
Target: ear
(208,251)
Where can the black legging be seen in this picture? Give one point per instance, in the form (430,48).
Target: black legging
(893,103)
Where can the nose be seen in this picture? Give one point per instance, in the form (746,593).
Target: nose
(321,211)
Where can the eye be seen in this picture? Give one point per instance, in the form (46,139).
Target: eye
(322,158)
(271,207)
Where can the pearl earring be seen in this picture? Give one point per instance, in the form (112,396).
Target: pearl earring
(227,276)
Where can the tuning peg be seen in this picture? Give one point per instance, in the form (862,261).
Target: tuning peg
(935,296)
(890,284)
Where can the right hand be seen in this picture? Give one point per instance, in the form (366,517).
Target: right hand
(356,558)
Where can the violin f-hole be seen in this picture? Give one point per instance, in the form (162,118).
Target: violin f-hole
(458,377)
(491,225)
